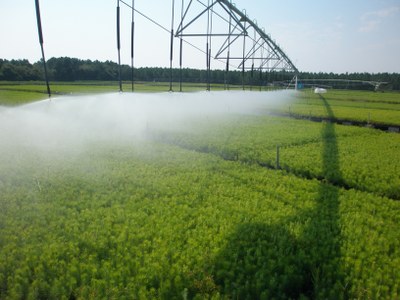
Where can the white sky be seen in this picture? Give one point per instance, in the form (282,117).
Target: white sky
(318,35)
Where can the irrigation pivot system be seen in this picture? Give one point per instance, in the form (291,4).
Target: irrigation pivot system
(40,32)
(239,28)
(226,34)
(230,36)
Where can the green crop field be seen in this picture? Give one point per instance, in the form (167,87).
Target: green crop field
(17,93)
(203,210)
(358,106)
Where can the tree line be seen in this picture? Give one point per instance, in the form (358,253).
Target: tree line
(74,69)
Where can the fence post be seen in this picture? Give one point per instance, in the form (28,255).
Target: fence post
(277,157)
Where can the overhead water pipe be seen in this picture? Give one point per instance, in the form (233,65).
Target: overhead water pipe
(119,46)
(39,26)
(244,19)
(229,53)
(208,48)
(133,44)
(260,72)
(181,51)
(252,63)
(172,45)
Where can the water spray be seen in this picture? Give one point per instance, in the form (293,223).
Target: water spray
(39,25)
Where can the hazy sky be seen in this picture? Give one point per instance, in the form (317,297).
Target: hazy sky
(318,35)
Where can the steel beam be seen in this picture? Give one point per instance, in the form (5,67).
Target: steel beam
(239,25)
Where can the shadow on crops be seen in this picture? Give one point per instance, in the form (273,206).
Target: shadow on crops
(268,261)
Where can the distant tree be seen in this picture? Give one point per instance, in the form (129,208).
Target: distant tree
(70,69)
(16,70)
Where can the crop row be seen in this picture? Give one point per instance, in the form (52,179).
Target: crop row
(316,100)
(358,162)
(342,155)
(251,138)
(162,222)
(310,105)
(351,96)
(367,115)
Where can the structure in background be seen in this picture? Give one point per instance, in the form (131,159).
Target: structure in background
(40,32)
(239,42)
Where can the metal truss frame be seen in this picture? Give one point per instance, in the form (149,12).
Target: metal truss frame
(264,50)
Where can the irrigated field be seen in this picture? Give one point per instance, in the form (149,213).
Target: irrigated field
(17,93)
(200,209)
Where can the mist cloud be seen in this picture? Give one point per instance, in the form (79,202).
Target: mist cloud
(72,122)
